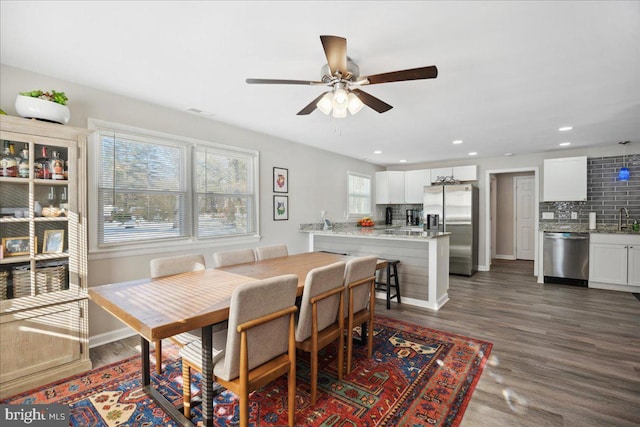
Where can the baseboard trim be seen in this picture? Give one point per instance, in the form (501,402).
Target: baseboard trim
(107,337)
(484,268)
(418,302)
(507,257)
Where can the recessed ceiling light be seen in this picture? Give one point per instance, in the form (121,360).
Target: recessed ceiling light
(564,144)
(508,154)
(457,141)
(565,128)
(403,161)
(377,152)
(473,153)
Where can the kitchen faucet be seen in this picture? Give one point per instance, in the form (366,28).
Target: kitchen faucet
(626,213)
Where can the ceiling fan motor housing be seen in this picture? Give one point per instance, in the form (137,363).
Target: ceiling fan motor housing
(353,72)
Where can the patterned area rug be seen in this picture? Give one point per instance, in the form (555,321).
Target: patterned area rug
(417,376)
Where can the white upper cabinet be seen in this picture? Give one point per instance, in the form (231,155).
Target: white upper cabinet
(460,173)
(390,187)
(440,172)
(565,179)
(465,173)
(414,183)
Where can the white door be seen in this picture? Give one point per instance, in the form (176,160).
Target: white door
(634,265)
(525,222)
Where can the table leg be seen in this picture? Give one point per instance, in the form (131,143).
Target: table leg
(154,394)
(207,376)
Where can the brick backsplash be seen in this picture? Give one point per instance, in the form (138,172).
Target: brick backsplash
(605,194)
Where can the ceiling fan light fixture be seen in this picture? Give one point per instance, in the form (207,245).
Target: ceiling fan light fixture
(340,98)
(355,104)
(326,103)
(340,112)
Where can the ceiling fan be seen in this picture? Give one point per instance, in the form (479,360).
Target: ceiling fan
(342,75)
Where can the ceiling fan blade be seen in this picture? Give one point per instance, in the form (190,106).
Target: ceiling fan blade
(312,106)
(371,101)
(335,49)
(430,72)
(283,82)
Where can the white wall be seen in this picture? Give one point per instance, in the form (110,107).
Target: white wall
(318,179)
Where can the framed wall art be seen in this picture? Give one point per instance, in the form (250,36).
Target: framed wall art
(280,180)
(280,208)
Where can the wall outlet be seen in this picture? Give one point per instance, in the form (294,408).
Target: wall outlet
(547,215)
(574,215)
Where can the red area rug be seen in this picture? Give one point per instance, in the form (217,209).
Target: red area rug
(417,376)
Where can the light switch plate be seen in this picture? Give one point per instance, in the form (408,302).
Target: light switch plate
(574,215)
(547,215)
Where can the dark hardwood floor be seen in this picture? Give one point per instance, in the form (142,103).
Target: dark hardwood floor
(562,355)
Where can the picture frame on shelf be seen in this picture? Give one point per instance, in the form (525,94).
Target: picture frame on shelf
(53,242)
(15,246)
(280,180)
(280,208)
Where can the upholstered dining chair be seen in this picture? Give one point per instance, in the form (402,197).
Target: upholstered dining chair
(321,321)
(259,346)
(166,267)
(239,256)
(359,280)
(268,252)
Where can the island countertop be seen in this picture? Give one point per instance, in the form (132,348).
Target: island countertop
(390,233)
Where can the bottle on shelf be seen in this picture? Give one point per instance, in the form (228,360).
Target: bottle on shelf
(42,166)
(23,163)
(8,164)
(57,166)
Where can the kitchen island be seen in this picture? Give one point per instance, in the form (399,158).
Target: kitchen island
(423,271)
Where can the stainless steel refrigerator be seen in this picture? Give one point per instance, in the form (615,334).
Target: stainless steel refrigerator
(457,208)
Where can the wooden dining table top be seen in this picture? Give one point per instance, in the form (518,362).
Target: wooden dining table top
(167,306)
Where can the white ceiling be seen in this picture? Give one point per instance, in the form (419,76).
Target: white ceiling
(510,73)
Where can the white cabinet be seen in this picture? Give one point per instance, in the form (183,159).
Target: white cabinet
(565,179)
(614,259)
(414,183)
(390,187)
(439,173)
(459,173)
(43,273)
(465,173)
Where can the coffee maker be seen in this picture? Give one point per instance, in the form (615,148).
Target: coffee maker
(410,216)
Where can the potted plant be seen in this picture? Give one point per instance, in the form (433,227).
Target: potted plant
(48,106)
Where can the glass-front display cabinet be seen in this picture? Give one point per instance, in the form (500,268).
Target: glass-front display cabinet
(43,296)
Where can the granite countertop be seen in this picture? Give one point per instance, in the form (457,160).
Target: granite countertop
(584,228)
(378,232)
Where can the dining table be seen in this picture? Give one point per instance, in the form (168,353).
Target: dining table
(163,307)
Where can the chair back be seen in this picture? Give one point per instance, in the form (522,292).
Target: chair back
(268,252)
(358,269)
(240,256)
(175,265)
(267,341)
(318,281)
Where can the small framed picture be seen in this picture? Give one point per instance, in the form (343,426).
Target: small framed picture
(280,180)
(280,208)
(53,242)
(15,246)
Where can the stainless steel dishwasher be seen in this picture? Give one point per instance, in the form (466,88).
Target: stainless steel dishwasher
(566,258)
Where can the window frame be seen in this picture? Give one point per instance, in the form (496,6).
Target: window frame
(357,215)
(191,241)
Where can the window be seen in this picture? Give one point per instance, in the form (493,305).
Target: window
(153,187)
(359,194)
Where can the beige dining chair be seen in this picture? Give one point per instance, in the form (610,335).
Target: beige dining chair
(321,321)
(259,345)
(268,252)
(239,256)
(359,279)
(169,266)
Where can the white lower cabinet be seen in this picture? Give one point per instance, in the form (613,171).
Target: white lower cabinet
(614,261)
